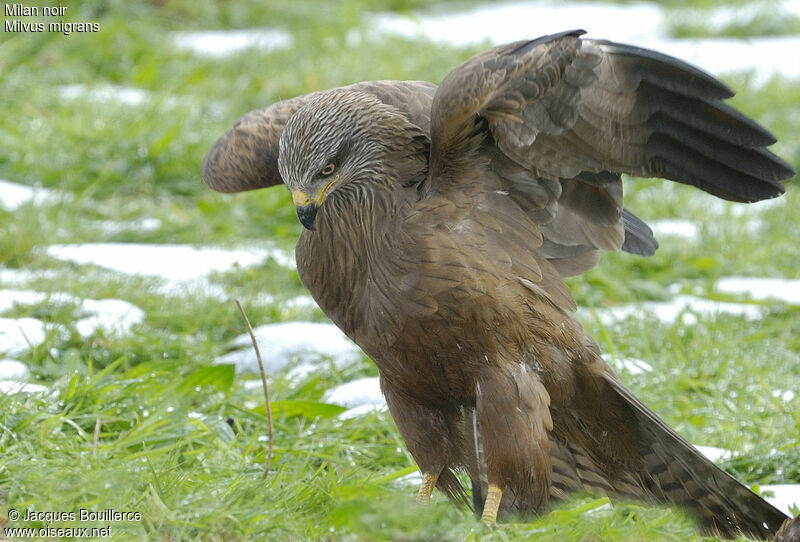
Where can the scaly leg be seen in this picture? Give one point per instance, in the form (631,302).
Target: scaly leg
(492,504)
(425,490)
(429,435)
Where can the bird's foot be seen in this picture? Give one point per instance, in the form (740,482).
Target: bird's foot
(492,505)
(425,490)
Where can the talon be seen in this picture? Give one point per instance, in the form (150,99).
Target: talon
(491,505)
(425,490)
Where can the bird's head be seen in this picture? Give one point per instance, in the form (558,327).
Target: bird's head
(332,145)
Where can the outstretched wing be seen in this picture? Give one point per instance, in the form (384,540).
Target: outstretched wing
(246,156)
(560,119)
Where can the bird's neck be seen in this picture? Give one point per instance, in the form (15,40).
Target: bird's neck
(361,217)
(343,263)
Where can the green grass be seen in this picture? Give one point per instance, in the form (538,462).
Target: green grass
(145,423)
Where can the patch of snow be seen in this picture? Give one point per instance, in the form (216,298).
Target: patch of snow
(9,298)
(631,365)
(718,206)
(361,396)
(675,227)
(764,56)
(20,277)
(682,306)
(14,195)
(10,387)
(13,369)
(411,479)
(13,377)
(302,370)
(170,262)
(782,496)
(713,453)
(638,24)
(115,316)
(18,335)
(784,290)
(219,43)
(504,22)
(361,410)
(284,342)
(359,392)
(105,93)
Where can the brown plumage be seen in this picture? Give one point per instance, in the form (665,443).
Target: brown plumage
(439,223)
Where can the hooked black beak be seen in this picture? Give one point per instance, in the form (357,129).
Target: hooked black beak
(306,208)
(306,214)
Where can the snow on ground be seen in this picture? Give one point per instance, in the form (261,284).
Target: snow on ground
(784,290)
(13,369)
(105,93)
(219,43)
(14,195)
(639,24)
(503,22)
(114,316)
(716,206)
(632,366)
(292,342)
(20,277)
(174,263)
(713,453)
(763,56)
(10,387)
(13,378)
(675,227)
(782,496)
(9,298)
(359,392)
(682,306)
(361,396)
(17,335)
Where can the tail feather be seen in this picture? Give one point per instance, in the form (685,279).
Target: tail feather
(667,470)
(675,472)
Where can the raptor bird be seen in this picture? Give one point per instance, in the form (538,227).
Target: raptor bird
(439,223)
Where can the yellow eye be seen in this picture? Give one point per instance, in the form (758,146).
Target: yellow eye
(327,170)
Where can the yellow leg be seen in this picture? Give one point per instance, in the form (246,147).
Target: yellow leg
(491,505)
(425,490)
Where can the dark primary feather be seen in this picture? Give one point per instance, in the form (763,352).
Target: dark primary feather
(442,249)
(564,109)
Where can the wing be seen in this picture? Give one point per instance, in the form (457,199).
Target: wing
(246,156)
(560,118)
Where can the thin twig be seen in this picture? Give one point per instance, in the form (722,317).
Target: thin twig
(264,385)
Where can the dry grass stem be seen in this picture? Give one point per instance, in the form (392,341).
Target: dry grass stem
(264,385)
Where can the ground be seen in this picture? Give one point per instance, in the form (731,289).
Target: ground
(102,136)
